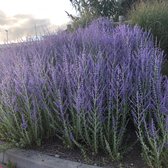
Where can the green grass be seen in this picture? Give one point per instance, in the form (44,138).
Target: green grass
(153,16)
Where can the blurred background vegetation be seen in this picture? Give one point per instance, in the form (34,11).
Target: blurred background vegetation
(152,15)
(90,9)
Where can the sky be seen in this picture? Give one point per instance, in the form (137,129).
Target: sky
(23,18)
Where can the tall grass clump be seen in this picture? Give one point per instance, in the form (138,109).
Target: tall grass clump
(153,16)
(84,87)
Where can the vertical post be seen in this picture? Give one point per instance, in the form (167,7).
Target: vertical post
(35,28)
(121,19)
(69,27)
(6,35)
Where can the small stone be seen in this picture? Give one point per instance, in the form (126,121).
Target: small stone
(132,164)
(95,164)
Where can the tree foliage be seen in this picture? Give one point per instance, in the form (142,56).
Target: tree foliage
(104,8)
(89,10)
(95,7)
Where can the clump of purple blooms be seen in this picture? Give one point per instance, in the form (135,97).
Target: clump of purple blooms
(84,87)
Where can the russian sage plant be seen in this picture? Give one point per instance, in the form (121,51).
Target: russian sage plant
(150,107)
(84,87)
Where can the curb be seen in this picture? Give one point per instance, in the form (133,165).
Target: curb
(33,159)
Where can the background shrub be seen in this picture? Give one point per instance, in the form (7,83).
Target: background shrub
(84,87)
(153,16)
(89,10)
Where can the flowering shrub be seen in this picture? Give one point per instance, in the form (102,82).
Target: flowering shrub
(84,87)
(149,107)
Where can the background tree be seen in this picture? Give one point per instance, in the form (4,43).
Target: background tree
(91,9)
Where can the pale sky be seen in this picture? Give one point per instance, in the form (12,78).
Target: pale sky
(22,16)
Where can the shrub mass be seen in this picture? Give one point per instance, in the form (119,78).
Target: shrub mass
(84,87)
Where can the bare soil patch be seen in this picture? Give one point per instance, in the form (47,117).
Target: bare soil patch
(132,159)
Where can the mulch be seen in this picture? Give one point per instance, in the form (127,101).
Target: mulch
(132,159)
